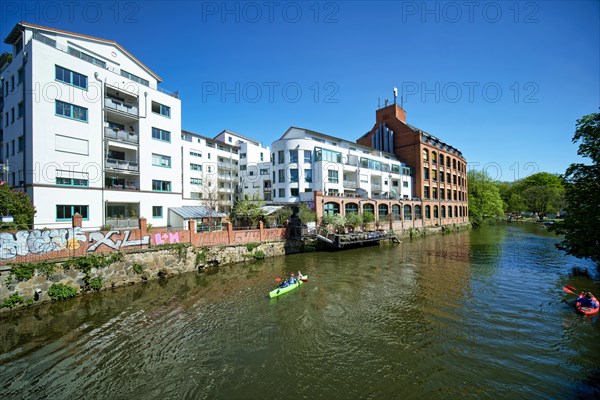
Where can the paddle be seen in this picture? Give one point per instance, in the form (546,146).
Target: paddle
(569,289)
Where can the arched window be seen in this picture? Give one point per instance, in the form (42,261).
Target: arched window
(434,157)
(454,163)
(382,211)
(418,212)
(331,208)
(407,213)
(455,211)
(350,208)
(369,208)
(425,155)
(449,211)
(427,212)
(396,212)
(442,160)
(443,211)
(435,212)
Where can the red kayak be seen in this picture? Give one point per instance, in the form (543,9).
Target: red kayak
(589,311)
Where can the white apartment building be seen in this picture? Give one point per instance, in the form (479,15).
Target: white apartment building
(86,129)
(304,161)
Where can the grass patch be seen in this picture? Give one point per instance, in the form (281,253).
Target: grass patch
(58,291)
(252,245)
(12,301)
(138,268)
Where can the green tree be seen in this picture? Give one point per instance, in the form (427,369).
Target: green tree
(353,219)
(18,205)
(306,214)
(582,193)
(542,199)
(248,211)
(484,197)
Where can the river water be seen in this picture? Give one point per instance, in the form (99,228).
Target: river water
(476,314)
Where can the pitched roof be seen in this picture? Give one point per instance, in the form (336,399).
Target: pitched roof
(194,212)
(15,34)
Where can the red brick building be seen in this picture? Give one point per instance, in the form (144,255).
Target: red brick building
(440,170)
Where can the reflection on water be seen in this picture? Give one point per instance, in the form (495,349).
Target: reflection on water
(473,314)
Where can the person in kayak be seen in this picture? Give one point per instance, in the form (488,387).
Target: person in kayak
(292,279)
(586,300)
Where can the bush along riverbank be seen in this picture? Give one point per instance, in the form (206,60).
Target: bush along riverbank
(26,284)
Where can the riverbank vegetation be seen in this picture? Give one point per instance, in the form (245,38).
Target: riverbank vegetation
(581,225)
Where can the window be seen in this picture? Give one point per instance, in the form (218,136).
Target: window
(21,140)
(161,161)
(160,134)
(195,195)
(433,157)
(72,111)
(281,176)
(455,196)
(434,192)
(443,207)
(308,175)
(294,192)
(395,169)
(195,167)
(331,209)
(70,77)
(243,168)
(242,155)
(332,176)
(262,156)
(435,211)
(425,155)
(195,154)
(65,212)
(21,112)
(449,211)
(157,212)
(264,171)
(442,194)
(135,78)
(427,212)
(434,175)
(85,57)
(425,173)
(12,83)
(281,192)
(307,156)
(448,177)
(408,212)
(161,109)
(294,175)
(195,181)
(418,212)
(293,156)
(12,115)
(280,157)
(72,182)
(327,155)
(405,184)
(21,74)
(161,186)
(426,192)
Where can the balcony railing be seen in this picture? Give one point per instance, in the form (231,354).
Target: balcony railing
(225,190)
(123,187)
(350,184)
(123,136)
(375,186)
(226,165)
(122,223)
(122,107)
(122,164)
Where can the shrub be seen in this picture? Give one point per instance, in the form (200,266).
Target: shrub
(12,301)
(259,255)
(58,291)
(138,268)
(251,246)
(96,283)
(200,258)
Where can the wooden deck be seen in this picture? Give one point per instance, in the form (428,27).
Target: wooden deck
(340,241)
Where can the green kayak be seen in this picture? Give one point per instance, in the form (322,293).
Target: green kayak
(280,290)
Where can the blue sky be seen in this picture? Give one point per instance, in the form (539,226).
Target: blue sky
(502,81)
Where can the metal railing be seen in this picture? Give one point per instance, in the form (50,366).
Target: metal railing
(121,106)
(122,164)
(122,223)
(123,136)
(350,184)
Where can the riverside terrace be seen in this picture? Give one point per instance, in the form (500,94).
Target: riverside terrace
(396,214)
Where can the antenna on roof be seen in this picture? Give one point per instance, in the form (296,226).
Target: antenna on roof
(395,94)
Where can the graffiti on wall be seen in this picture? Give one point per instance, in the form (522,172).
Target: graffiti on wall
(24,243)
(106,239)
(166,238)
(38,241)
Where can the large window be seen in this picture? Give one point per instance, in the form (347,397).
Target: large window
(161,186)
(264,171)
(65,212)
(161,161)
(418,212)
(157,211)
(161,109)
(160,134)
(70,77)
(293,156)
(72,111)
(331,208)
(281,176)
(294,175)
(86,57)
(72,182)
(307,156)
(332,176)
(280,157)
(195,181)
(135,78)
(427,212)
(195,167)
(327,155)
(308,175)
(351,208)
(407,213)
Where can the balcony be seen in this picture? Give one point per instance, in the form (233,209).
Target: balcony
(225,190)
(225,177)
(122,136)
(223,165)
(375,186)
(350,184)
(122,165)
(121,107)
